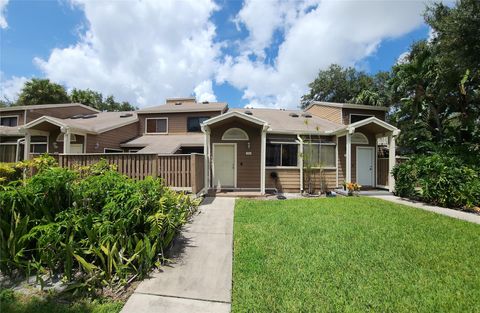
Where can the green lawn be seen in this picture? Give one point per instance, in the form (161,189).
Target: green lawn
(352,255)
(18,303)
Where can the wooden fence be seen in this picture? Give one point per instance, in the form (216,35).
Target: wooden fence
(180,171)
(382,169)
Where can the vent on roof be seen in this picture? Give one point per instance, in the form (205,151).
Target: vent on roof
(205,102)
(307,115)
(77,116)
(248,112)
(89,116)
(178,103)
(293,114)
(126,115)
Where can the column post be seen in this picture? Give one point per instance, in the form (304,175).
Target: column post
(348,162)
(66,140)
(391,161)
(262,158)
(26,148)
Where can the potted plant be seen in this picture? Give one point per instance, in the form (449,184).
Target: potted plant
(353,188)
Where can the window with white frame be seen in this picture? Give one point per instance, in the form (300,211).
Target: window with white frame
(9,120)
(156,125)
(235,134)
(281,154)
(320,154)
(38,144)
(8,148)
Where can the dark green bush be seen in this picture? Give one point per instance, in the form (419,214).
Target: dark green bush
(440,180)
(96,227)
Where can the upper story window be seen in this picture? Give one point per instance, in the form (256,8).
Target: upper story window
(156,125)
(281,154)
(9,120)
(358,117)
(193,123)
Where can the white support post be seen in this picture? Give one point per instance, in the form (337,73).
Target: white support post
(26,148)
(262,159)
(391,161)
(301,162)
(206,152)
(336,162)
(348,165)
(66,142)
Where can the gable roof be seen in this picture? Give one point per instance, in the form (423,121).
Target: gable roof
(189,106)
(347,106)
(234,113)
(45,106)
(95,123)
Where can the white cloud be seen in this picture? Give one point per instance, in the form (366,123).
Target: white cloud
(140,51)
(204,92)
(315,35)
(3,8)
(9,88)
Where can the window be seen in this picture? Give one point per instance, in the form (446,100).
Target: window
(235,134)
(8,148)
(359,139)
(38,144)
(281,154)
(358,117)
(320,155)
(9,121)
(156,125)
(112,150)
(60,137)
(193,123)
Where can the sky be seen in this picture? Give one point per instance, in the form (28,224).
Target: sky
(260,53)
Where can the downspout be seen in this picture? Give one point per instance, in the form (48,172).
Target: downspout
(301,162)
(17,154)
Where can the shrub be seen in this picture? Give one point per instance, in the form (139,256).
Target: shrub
(8,173)
(93,225)
(440,180)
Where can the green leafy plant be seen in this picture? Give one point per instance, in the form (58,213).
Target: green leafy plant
(92,225)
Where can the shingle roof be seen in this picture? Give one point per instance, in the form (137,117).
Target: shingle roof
(172,107)
(283,121)
(93,123)
(44,106)
(10,131)
(165,144)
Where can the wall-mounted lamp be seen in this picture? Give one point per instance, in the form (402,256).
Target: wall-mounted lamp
(55,145)
(97,145)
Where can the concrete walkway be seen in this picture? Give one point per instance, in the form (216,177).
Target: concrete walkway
(470,217)
(200,278)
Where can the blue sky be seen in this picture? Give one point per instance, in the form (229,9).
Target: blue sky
(234,51)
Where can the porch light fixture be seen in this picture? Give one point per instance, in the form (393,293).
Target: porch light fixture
(97,145)
(55,145)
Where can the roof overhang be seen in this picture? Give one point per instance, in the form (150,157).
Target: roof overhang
(231,114)
(371,120)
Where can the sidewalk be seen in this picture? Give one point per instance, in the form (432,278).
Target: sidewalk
(469,217)
(200,278)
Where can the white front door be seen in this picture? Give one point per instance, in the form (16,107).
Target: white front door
(224,167)
(365,166)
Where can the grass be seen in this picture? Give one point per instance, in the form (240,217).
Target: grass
(13,302)
(352,255)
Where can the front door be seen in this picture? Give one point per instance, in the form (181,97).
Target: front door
(365,173)
(224,167)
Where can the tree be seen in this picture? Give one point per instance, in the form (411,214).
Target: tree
(42,91)
(437,88)
(347,85)
(95,100)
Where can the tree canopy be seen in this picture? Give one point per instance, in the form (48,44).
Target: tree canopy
(43,91)
(348,85)
(434,92)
